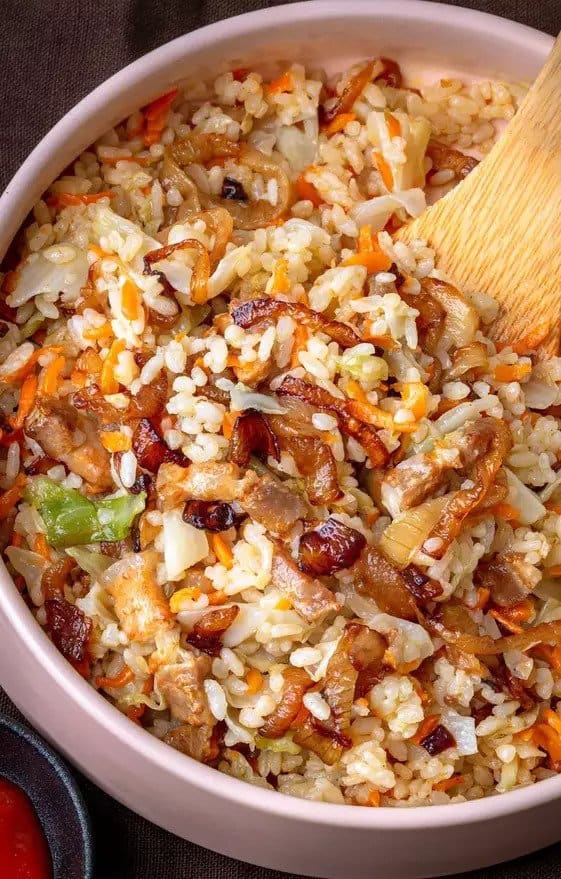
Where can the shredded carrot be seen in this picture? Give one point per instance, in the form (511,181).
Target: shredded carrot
(135,712)
(232,360)
(372,516)
(108,382)
(374,798)
(444,406)
(100,252)
(155,115)
(89,362)
(387,342)
(70,199)
(378,417)
(427,725)
(283,603)
(553,507)
(228,423)
(483,595)
(26,400)
(531,340)
(281,281)
(367,242)
(505,373)
(299,343)
(554,571)
(254,680)
(551,655)
(41,547)
(355,392)
(50,377)
(92,334)
(546,734)
(283,83)
(447,783)
(78,378)
(217,597)
(124,677)
(505,511)
(394,127)
(383,169)
(502,618)
(17,539)
(115,441)
(415,396)
(10,498)
(18,375)
(339,123)
(306,191)
(191,593)
(130,300)
(374,262)
(421,693)
(222,551)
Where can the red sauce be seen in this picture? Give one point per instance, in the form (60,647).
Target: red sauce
(24,853)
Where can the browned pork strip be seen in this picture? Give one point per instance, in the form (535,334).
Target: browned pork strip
(181,685)
(508,577)
(310,597)
(195,741)
(70,437)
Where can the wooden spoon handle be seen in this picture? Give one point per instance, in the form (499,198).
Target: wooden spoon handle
(499,231)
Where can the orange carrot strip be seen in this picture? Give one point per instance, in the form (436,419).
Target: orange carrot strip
(115,441)
(447,783)
(228,423)
(414,396)
(502,618)
(306,191)
(374,798)
(483,595)
(394,127)
(217,597)
(124,677)
(70,199)
(108,382)
(505,511)
(130,300)
(374,262)
(17,539)
(254,680)
(283,83)
(10,498)
(300,340)
(155,115)
(427,725)
(553,507)
(222,551)
(554,571)
(531,340)
(281,281)
(41,546)
(51,375)
(26,400)
(505,373)
(339,123)
(383,169)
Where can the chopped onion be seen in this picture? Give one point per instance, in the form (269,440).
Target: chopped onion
(184,545)
(227,270)
(93,563)
(459,415)
(409,641)
(246,624)
(526,502)
(40,275)
(407,533)
(242,397)
(463,730)
(376,211)
(462,319)
(296,146)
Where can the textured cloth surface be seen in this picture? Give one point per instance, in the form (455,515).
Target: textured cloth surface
(54,53)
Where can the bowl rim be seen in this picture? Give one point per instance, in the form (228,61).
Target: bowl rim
(77,690)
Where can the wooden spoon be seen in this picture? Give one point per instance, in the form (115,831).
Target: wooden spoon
(499,231)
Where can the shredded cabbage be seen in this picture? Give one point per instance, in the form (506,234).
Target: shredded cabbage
(184,545)
(376,211)
(361,363)
(38,275)
(519,496)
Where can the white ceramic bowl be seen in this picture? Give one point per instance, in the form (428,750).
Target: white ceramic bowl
(172,790)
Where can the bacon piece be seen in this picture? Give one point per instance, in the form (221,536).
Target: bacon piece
(211,516)
(140,604)
(377,578)
(420,586)
(206,634)
(430,321)
(252,435)
(465,500)
(445,158)
(508,577)
(72,438)
(69,627)
(309,596)
(329,548)
(55,577)
(195,741)
(181,685)
(439,740)
(296,682)
(254,311)
(321,399)
(150,449)
(267,500)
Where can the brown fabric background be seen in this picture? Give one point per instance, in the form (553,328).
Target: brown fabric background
(53,53)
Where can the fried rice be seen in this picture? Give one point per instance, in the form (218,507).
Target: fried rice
(266,482)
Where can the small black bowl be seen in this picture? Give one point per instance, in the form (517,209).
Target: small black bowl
(26,760)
